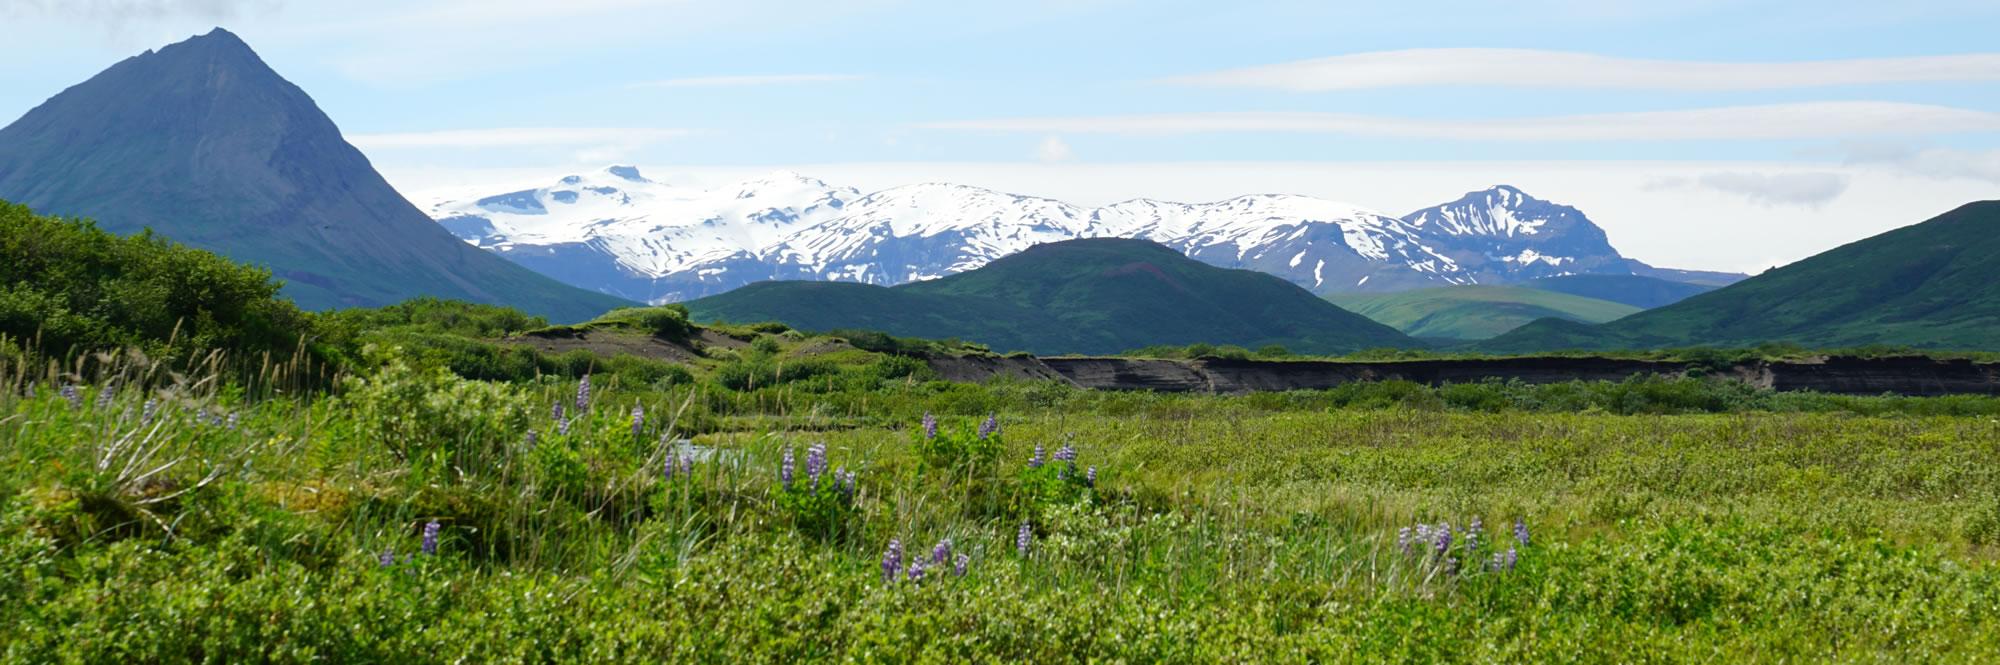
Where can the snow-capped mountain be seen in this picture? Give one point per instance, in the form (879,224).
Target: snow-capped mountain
(618,232)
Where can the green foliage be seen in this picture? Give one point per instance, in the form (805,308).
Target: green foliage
(72,288)
(1474,311)
(957,451)
(432,419)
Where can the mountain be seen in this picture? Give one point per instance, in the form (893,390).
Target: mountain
(653,241)
(1475,311)
(1634,290)
(205,144)
(1931,285)
(1100,295)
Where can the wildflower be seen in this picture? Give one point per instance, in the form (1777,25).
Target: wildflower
(1036,461)
(233,419)
(958,567)
(785,468)
(990,427)
(1090,477)
(1022,540)
(638,420)
(815,463)
(556,413)
(1502,561)
(104,397)
(146,412)
(532,438)
(687,464)
(1067,453)
(930,425)
(847,484)
(1521,531)
(562,427)
(892,560)
(69,393)
(1472,534)
(941,554)
(916,570)
(387,558)
(1443,535)
(1423,534)
(431,538)
(667,470)
(1404,540)
(583,393)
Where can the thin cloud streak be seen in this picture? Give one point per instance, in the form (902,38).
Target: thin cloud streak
(515,137)
(1775,121)
(744,81)
(1529,68)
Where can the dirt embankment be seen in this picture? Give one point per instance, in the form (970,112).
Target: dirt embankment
(1838,374)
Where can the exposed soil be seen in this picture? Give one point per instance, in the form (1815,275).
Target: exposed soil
(609,343)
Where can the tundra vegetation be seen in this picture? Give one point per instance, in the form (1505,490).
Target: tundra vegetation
(444,482)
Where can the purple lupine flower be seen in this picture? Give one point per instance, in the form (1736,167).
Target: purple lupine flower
(1443,535)
(1502,561)
(1423,534)
(638,420)
(431,537)
(387,558)
(916,570)
(667,469)
(1023,539)
(1090,477)
(941,554)
(1472,534)
(1404,540)
(687,465)
(1521,531)
(847,484)
(69,393)
(1036,461)
(930,425)
(815,463)
(892,561)
(990,427)
(532,438)
(231,422)
(147,411)
(556,413)
(104,397)
(785,468)
(958,566)
(583,394)
(1067,453)
(562,427)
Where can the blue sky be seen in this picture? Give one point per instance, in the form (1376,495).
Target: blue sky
(1789,126)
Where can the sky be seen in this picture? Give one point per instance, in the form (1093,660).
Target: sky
(1699,133)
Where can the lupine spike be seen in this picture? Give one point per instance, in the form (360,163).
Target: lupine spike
(147,411)
(941,554)
(638,420)
(958,567)
(556,412)
(990,427)
(1521,531)
(1443,534)
(930,425)
(387,558)
(532,438)
(785,468)
(916,570)
(233,419)
(892,561)
(1090,477)
(1036,461)
(1404,539)
(667,469)
(431,537)
(69,394)
(1024,539)
(815,464)
(847,485)
(583,394)
(104,397)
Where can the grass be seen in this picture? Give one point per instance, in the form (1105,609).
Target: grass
(1756,528)
(1476,312)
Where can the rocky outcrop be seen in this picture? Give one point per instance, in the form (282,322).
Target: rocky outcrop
(1836,374)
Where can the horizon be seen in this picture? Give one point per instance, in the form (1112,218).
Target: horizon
(1700,152)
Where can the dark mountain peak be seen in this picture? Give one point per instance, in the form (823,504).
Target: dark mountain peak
(204,143)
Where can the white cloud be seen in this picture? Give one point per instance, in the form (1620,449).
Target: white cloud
(744,81)
(515,137)
(1806,189)
(1562,69)
(1053,149)
(1774,121)
(1930,162)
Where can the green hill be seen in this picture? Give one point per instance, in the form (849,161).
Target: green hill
(1932,285)
(206,145)
(1476,312)
(1635,290)
(1081,296)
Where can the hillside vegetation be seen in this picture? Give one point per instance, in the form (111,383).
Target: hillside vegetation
(1476,312)
(1080,296)
(1930,285)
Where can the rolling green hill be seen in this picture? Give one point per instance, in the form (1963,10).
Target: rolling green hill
(1476,312)
(203,143)
(1098,295)
(1635,290)
(1932,285)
